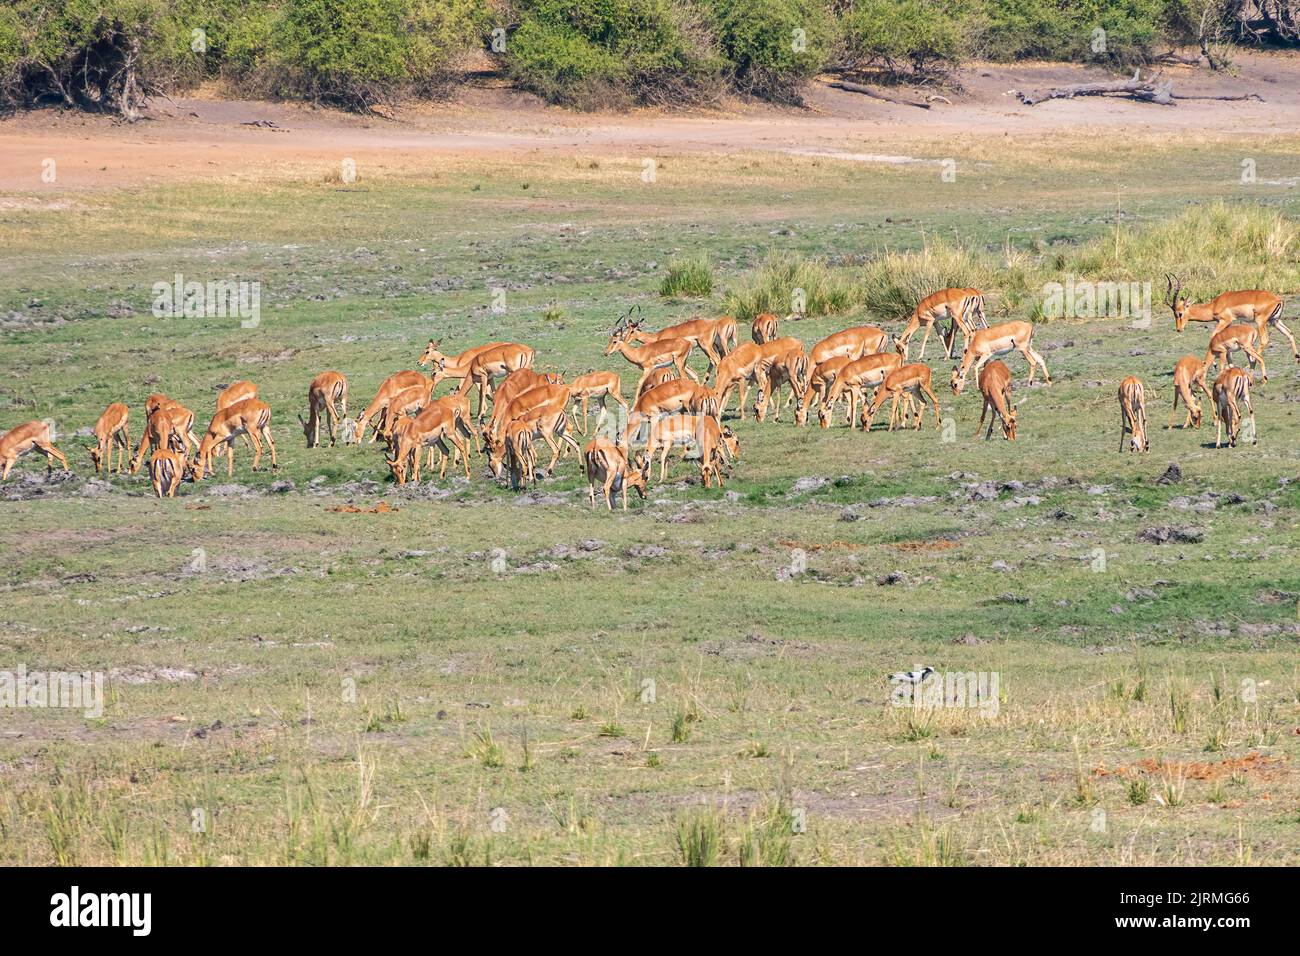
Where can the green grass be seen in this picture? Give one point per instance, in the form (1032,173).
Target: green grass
(500,716)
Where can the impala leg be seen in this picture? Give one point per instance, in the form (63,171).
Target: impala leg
(1286,334)
(663,463)
(609,492)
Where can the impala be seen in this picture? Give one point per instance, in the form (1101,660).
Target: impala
(152,403)
(1249,305)
(911,380)
(454,366)
(326,390)
(995,386)
(746,364)
(1231,391)
(1236,338)
(111,433)
(608,467)
(29,436)
(764,328)
(166,468)
(988,344)
(856,377)
(491,364)
(819,385)
(963,307)
(1133,415)
(171,425)
(519,456)
(853,343)
(378,409)
(409,401)
(251,417)
(657,354)
(789,367)
(717,445)
(598,386)
(703,334)
(432,428)
(1189,373)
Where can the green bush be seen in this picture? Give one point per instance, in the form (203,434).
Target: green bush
(1068,29)
(688,278)
(357,53)
(902,35)
(784,283)
(95,54)
(601,53)
(773,45)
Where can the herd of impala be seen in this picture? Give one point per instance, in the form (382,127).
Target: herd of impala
(672,406)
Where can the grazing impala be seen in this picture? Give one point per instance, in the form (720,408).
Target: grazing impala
(170,425)
(1262,308)
(408,402)
(703,334)
(495,362)
(716,445)
(326,390)
(963,307)
(1236,338)
(151,405)
(854,343)
(607,466)
(1189,373)
(251,417)
(519,458)
(513,386)
(995,386)
(166,468)
(111,433)
(657,354)
(748,363)
(437,424)
(856,377)
(764,328)
(789,367)
(819,385)
(987,344)
(1133,415)
(378,409)
(598,386)
(911,380)
(29,436)
(1231,392)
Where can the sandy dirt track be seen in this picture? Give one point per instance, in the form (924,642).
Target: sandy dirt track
(203,136)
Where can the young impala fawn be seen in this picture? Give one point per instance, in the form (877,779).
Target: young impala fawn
(912,381)
(598,386)
(111,434)
(607,466)
(30,436)
(1236,338)
(1133,415)
(995,386)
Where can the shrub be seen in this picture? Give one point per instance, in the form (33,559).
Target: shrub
(773,45)
(780,282)
(914,35)
(1067,29)
(601,53)
(95,54)
(688,278)
(357,53)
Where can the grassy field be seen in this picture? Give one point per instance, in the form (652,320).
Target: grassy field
(482,677)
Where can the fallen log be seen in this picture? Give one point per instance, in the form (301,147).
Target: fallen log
(868,91)
(1146,90)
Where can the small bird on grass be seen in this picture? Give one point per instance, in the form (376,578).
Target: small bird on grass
(911,677)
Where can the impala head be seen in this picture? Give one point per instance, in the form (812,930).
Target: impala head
(900,346)
(194,469)
(496,458)
(432,355)
(1175,300)
(958,381)
(637,474)
(95,456)
(824,415)
(398,467)
(1009,424)
(306,429)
